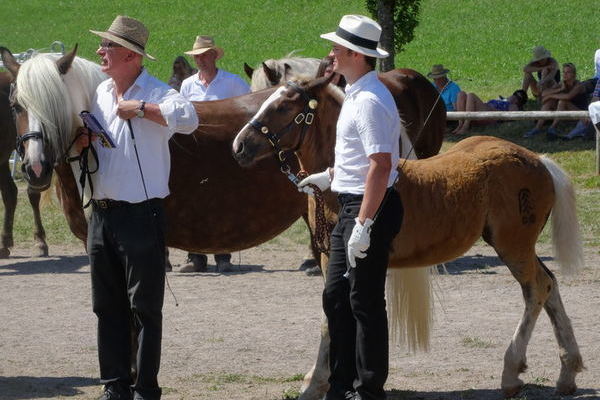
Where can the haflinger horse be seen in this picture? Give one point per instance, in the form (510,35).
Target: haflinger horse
(8,135)
(215,206)
(482,187)
(274,72)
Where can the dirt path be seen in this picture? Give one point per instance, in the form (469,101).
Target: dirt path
(252,333)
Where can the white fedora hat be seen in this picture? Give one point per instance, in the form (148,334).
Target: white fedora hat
(358,33)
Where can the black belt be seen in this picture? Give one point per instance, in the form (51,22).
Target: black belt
(105,204)
(344,198)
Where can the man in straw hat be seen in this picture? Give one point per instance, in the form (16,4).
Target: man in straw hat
(126,230)
(364,171)
(448,89)
(546,69)
(210,83)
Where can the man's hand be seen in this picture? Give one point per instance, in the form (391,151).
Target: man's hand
(321,179)
(127,109)
(82,134)
(359,241)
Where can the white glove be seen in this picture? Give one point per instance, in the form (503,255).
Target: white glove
(359,241)
(321,179)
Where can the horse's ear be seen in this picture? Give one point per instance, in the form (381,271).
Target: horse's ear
(9,62)
(64,63)
(319,83)
(286,69)
(249,70)
(270,73)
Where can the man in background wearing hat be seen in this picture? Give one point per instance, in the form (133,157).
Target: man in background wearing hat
(210,83)
(364,171)
(126,231)
(545,67)
(448,89)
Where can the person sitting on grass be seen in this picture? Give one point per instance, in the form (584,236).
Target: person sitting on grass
(569,95)
(448,89)
(472,102)
(546,69)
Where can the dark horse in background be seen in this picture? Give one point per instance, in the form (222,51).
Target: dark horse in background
(8,135)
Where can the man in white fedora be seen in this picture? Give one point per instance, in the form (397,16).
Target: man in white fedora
(546,69)
(210,83)
(126,232)
(364,171)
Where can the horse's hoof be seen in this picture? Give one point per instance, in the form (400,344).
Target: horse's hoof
(42,251)
(4,252)
(512,391)
(308,263)
(566,389)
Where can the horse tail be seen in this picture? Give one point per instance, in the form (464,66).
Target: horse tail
(566,235)
(409,305)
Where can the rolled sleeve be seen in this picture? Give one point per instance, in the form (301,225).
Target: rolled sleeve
(179,114)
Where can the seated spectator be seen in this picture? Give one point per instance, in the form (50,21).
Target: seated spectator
(471,102)
(326,69)
(545,68)
(181,70)
(569,95)
(448,89)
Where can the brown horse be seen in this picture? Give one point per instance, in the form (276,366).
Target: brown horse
(420,108)
(482,187)
(214,207)
(8,135)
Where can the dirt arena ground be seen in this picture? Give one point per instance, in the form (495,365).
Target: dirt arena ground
(253,333)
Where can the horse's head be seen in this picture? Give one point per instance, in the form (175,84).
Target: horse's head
(281,122)
(38,101)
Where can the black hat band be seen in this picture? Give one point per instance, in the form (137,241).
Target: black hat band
(356,40)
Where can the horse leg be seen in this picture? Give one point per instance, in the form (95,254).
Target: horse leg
(39,234)
(570,358)
(9,197)
(536,285)
(316,381)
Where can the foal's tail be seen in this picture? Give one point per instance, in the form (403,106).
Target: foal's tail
(409,305)
(566,236)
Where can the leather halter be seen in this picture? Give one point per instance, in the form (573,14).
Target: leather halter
(20,145)
(305,118)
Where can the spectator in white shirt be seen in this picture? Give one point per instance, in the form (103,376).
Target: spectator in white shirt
(210,83)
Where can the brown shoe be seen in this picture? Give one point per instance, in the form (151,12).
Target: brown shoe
(196,263)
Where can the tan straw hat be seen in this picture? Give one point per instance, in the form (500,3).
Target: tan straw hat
(539,53)
(129,33)
(358,33)
(437,71)
(203,44)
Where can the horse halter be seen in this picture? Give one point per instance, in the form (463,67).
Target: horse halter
(20,145)
(305,118)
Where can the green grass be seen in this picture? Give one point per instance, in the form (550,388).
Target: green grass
(484,42)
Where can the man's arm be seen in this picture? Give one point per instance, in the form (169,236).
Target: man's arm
(380,166)
(127,109)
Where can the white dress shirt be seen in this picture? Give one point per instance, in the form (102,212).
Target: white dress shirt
(224,85)
(118,176)
(368,123)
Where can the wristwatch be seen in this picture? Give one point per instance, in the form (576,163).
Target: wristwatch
(140,111)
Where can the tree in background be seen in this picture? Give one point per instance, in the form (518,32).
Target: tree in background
(398,20)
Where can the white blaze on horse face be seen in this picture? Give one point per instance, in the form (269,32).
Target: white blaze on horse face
(274,96)
(35,147)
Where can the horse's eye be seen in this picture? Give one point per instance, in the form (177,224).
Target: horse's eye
(17,107)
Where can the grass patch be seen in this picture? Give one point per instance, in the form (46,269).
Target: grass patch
(475,342)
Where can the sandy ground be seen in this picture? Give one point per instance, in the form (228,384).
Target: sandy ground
(252,333)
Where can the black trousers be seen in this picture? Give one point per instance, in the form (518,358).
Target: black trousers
(355,306)
(126,246)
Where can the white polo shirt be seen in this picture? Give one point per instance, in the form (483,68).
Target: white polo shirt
(118,176)
(223,86)
(368,123)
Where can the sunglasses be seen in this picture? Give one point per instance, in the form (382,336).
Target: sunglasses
(109,45)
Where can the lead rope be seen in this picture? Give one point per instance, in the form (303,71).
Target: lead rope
(323,229)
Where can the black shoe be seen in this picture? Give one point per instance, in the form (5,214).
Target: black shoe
(116,391)
(347,395)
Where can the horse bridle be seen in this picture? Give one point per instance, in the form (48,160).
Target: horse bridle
(305,118)
(20,145)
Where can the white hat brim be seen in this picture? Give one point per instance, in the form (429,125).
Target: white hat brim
(377,53)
